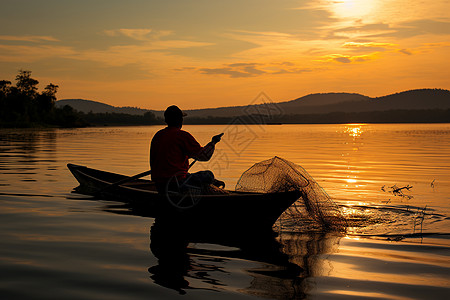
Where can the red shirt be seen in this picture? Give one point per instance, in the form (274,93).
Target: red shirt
(170,150)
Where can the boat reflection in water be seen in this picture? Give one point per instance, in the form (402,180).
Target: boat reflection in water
(275,266)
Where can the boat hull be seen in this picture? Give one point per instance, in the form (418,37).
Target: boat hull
(249,211)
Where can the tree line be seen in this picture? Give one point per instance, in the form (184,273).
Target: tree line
(22,105)
(119,119)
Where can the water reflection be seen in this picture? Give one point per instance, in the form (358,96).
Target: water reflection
(354,130)
(306,252)
(74,249)
(347,170)
(169,245)
(22,151)
(199,259)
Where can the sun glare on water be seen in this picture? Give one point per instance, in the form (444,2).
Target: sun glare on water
(354,130)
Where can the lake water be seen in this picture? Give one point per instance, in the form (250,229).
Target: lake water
(59,245)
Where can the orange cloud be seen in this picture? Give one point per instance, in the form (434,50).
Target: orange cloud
(28,38)
(346,59)
(148,51)
(368,45)
(242,70)
(145,34)
(405,51)
(20,53)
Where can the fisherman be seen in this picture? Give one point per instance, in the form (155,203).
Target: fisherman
(171,149)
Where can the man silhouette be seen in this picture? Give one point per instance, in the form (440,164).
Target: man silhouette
(171,149)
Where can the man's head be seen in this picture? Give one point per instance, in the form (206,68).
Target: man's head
(174,116)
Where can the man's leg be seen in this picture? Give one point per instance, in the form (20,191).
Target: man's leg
(203,179)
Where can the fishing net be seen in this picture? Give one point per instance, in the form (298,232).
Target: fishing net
(314,210)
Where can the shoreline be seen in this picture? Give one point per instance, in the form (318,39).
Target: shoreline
(188,123)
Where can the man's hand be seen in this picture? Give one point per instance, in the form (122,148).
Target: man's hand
(208,150)
(215,139)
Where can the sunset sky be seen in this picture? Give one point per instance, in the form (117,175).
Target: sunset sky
(202,53)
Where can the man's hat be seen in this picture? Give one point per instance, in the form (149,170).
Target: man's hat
(174,112)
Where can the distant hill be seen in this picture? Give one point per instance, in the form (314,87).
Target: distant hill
(422,99)
(313,103)
(341,102)
(415,99)
(87,106)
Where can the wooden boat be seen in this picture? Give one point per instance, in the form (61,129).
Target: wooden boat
(230,208)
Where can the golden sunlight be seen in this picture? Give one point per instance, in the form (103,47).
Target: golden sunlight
(354,130)
(352,8)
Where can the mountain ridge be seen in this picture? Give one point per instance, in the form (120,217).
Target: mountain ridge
(318,103)
(87,106)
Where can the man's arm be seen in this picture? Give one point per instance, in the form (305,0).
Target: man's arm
(208,150)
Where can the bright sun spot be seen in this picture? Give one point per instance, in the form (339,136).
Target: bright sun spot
(354,130)
(352,8)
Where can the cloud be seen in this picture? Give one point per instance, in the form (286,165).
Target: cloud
(139,34)
(363,58)
(146,50)
(152,39)
(225,71)
(368,47)
(365,45)
(374,27)
(235,70)
(441,44)
(342,59)
(424,48)
(405,51)
(245,70)
(286,63)
(291,71)
(401,30)
(358,31)
(276,46)
(185,69)
(238,65)
(420,27)
(21,53)
(28,38)
(347,59)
